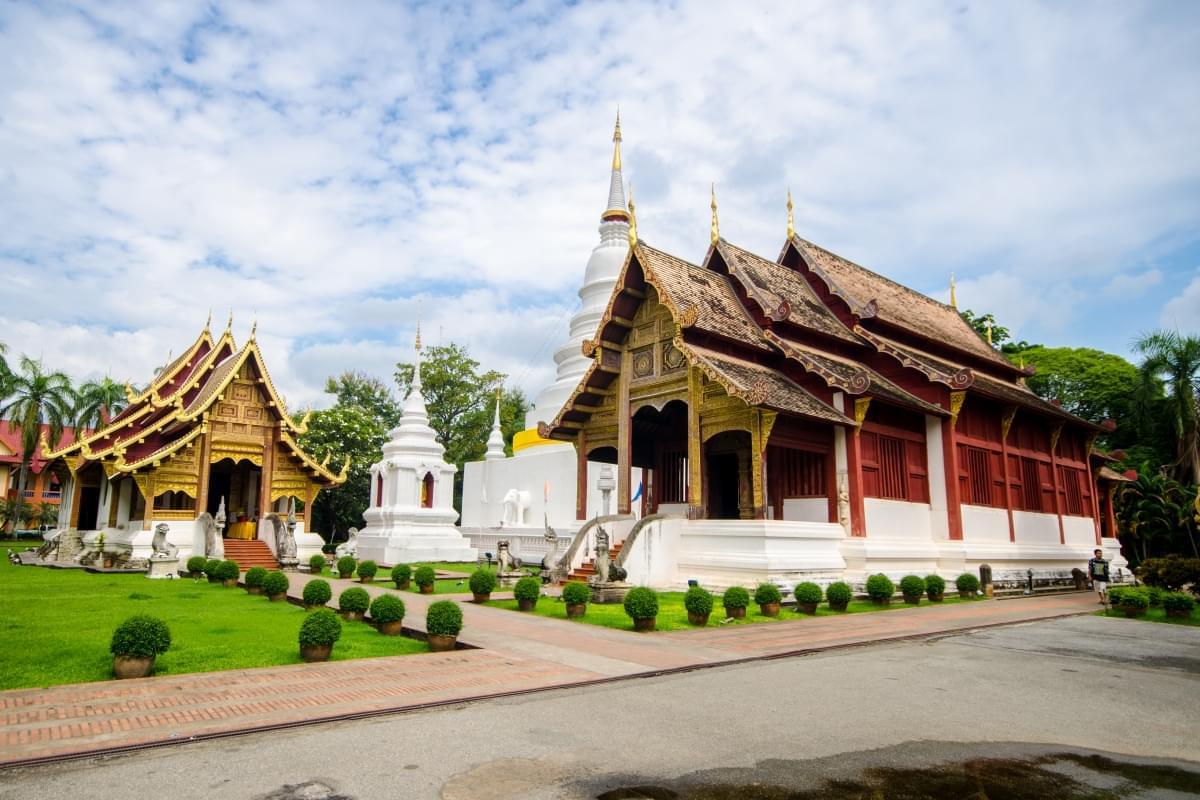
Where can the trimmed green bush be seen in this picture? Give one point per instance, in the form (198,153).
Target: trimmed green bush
(698,600)
(838,593)
(346,565)
(575,593)
(735,597)
(1134,598)
(354,599)
(367,569)
(424,575)
(807,592)
(1178,603)
(1172,573)
(767,593)
(912,586)
(1154,595)
(195,564)
(387,608)
(317,592)
(444,618)
(528,588)
(401,573)
(211,566)
(141,636)
(967,582)
(482,581)
(641,603)
(275,583)
(935,585)
(316,564)
(254,577)
(322,627)
(880,588)
(228,571)
(1115,592)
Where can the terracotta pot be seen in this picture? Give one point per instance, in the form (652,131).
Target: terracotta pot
(806,608)
(912,600)
(229,582)
(366,578)
(735,613)
(645,624)
(769,609)
(887,601)
(526,605)
(1178,613)
(351,616)
(481,598)
(838,606)
(315,652)
(345,575)
(108,562)
(440,643)
(426,588)
(275,598)
(936,598)
(132,666)
(391,628)
(966,595)
(402,585)
(1131,611)
(254,590)
(699,620)
(576,610)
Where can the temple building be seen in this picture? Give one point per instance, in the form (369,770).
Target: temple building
(209,434)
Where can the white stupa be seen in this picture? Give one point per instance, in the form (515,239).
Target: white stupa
(411,517)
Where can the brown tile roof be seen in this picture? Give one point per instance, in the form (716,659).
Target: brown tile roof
(871,294)
(215,382)
(1110,474)
(782,293)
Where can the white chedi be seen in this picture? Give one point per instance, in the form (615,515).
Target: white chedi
(411,516)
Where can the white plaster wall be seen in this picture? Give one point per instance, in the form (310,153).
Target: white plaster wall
(1034,527)
(806,509)
(678,509)
(896,519)
(1079,530)
(984,524)
(939,513)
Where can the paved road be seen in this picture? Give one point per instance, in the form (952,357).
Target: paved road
(1099,684)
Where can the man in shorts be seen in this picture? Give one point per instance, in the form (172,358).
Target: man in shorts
(1098,572)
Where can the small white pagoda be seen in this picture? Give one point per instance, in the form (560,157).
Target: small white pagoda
(411,517)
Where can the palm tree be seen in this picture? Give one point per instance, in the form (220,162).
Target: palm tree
(1175,359)
(36,397)
(44,514)
(99,401)
(8,513)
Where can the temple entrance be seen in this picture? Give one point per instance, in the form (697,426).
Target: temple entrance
(89,497)
(238,484)
(727,468)
(660,450)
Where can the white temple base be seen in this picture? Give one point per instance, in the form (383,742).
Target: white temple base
(412,543)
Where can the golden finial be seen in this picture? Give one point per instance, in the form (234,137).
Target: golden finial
(715,233)
(633,234)
(791,219)
(208,322)
(987,325)
(229,322)
(953,287)
(617,142)
(254,325)
(418,344)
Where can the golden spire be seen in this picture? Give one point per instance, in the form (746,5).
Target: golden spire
(229,322)
(715,233)
(987,324)
(633,234)
(418,343)
(208,322)
(953,287)
(254,325)
(617,142)
(791,218)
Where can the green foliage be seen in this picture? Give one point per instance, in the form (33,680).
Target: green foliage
(424,575)
(354,599)
(698,600)
(1158,516)
(32,397)
(935,585)
(317,592)
(321,627)
(912,586)
(735,597)
(141,636)
(838,593)
(255,576)
(98,401)
(880,587)
(641,603)
(1154,595)
(807,592)
(367,569)
(346,565)
(228,571)
(1134,598)
(528,588)
(401,573)
(576,592)
(316,564)
(1115,592)
(1089,383)
(482,581)
(444,618)
(211,566)
(767,593)
(387,608)
(967,582)
(274,583)
(1174,360)
(196,563)
(1177,602)
(1171,573)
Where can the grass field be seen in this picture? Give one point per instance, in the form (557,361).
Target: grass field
(672,616)
(447,586)
(1157,615)
(56,626)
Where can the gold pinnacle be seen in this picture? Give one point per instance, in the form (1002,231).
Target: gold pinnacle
(418,344)
(616,165)
(791,230)
(633,234)
(953,298)
(716,228)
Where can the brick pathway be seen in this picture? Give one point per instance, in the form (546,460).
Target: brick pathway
(519,653)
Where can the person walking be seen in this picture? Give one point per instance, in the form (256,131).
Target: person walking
(1098,572)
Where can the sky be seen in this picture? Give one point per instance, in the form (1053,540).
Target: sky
(338,171)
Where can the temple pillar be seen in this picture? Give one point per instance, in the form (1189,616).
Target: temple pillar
(950,459)
(268,467)
(624,440)
(1005,426)
(205,477)
(148,513)
(76,493)
(581,476)
(1058,503)
(1109,512)
(756,465)
(695,486)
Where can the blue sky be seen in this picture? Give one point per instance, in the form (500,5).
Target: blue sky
(342,171)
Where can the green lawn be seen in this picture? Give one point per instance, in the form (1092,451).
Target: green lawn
(448,586)
(56,626)
(1157,615)
(672,616)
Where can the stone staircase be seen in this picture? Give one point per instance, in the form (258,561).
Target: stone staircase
(249,553)
(588,568)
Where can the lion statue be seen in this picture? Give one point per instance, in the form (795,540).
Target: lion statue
(161,547)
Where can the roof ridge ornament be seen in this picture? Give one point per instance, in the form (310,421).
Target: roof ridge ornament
(715,233)
(953,288)
(791,220)
(633,232)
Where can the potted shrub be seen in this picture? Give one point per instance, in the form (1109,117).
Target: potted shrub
(1134,602)
(387,612)
(482,583)
(735,600)
(839,595)
(808,597)
(935,587)
(967,585)
(317,593)
(912,587)
(424,576)
(210,569)
(402,575)
(275,585)
(576,595)
(345,566)
(367,570)
(443,621)
(1177,604)
(195,566)
(353,603)
(527,591)
(318,632)
(316,564)
(699,604)
(1114,594)
(768,597)
(880,589)
(641,604)
(228,572)
(254,579)
(136,643)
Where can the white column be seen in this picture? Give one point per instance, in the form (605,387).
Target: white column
(841,463)
(939,519)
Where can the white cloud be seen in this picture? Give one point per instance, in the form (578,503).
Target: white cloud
(1133,284)
(1182,312)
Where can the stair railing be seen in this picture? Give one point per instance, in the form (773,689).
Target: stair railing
(567,562)
(629,540)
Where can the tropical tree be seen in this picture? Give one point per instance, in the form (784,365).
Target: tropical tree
(98,402)
(1156,515)
(368,393)
(1175,360)
(5,373)
(982,322)
(8,513)
(43,514)
(35,397)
